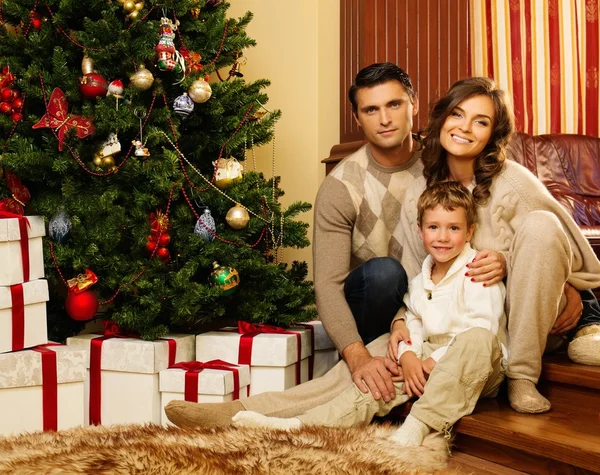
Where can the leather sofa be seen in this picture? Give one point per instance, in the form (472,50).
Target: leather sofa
(569,166)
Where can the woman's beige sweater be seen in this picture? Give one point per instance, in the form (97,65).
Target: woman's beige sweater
(514,193)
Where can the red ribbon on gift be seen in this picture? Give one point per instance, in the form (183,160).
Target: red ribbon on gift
(194,368)
(18,317)
(249,331)
(49,386)
(24,241)
(311,358)
(111,330)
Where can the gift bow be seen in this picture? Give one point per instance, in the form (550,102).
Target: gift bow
(113,330)
(58,118)
(82,282)
(249,331)
(194,367)
(20,195)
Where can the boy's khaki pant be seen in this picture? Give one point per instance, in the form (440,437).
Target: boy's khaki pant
(472,367)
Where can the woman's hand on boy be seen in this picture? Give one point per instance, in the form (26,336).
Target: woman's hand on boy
(488,267)
(399,333)
(414,376)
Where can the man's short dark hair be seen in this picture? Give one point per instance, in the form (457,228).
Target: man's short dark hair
(376,74)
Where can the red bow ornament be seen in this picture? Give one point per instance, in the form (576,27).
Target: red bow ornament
(20,195)
(57,118)
(82,282)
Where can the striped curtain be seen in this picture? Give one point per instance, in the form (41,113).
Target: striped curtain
(546,54)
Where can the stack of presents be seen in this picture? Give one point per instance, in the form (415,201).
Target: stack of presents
(116,378)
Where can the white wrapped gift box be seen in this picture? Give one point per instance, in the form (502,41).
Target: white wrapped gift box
(129,391)
(326,355)
(213,385)
(11,270)
(27,327)
(273,361)
(22,387)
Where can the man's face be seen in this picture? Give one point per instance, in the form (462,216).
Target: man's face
(385,113)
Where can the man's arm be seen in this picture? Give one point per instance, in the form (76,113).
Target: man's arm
(335,216)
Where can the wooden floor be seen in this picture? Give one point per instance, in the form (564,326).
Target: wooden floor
(473,465)
(565,441)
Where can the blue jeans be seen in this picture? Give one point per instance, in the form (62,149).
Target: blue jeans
(375,291)
(591,310)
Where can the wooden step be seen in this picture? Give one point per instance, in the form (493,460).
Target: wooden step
(567,436)
(558,368)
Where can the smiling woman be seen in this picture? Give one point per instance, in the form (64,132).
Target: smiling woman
(468,131)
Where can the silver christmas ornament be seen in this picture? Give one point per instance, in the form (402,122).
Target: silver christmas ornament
(183,105)
(59,227)
(205,226)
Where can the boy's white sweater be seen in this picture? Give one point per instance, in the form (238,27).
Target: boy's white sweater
(452,306)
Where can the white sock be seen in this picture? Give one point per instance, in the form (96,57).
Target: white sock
(254,419)
(411,433)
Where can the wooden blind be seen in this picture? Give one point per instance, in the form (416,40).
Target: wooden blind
(427,38)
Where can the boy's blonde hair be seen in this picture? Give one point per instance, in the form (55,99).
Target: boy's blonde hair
(450,195)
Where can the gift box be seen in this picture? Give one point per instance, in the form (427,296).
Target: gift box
(23,315)
(325,354)
(21,251)
(195,381)
(278,358)
(122,383)
(41,389)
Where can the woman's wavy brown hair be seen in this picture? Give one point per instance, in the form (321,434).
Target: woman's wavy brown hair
(491,160)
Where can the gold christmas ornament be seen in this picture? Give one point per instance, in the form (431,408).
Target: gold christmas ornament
(98,160)
(138,6)
(237,217)
(133,15)
(142,79)
(87,65)
(108,162)
(229,170)
(128,6)
(200,91)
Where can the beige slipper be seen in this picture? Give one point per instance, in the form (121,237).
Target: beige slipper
(585,347)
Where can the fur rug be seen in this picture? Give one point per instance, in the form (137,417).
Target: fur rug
(154,449)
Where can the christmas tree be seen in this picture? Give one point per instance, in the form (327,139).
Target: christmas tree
(129,124)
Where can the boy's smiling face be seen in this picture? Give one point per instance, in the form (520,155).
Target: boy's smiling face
(444,234)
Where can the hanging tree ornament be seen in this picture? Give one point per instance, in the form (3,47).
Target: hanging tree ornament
(58,118)
(200,91)
(115,89)
(59,226)
(132,8)
(228,171)
(205,226)
(92,84)
(81,303)
(226,278)
(142,79)
(169,59)
(140,146)
(183,105)
(104,158)
(159,237)
(237,217)
(10,97)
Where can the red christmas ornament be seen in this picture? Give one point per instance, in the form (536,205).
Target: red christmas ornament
(17,104)
(82,306)
(17,117)
(5,108)
(7,94)
(93,85)
(58,117)
(151,244)
(36,20)
(163,253)
(164,240)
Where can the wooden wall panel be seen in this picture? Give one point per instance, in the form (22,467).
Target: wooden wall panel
(427,38)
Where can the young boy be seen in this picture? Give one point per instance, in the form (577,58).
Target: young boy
(457,348)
